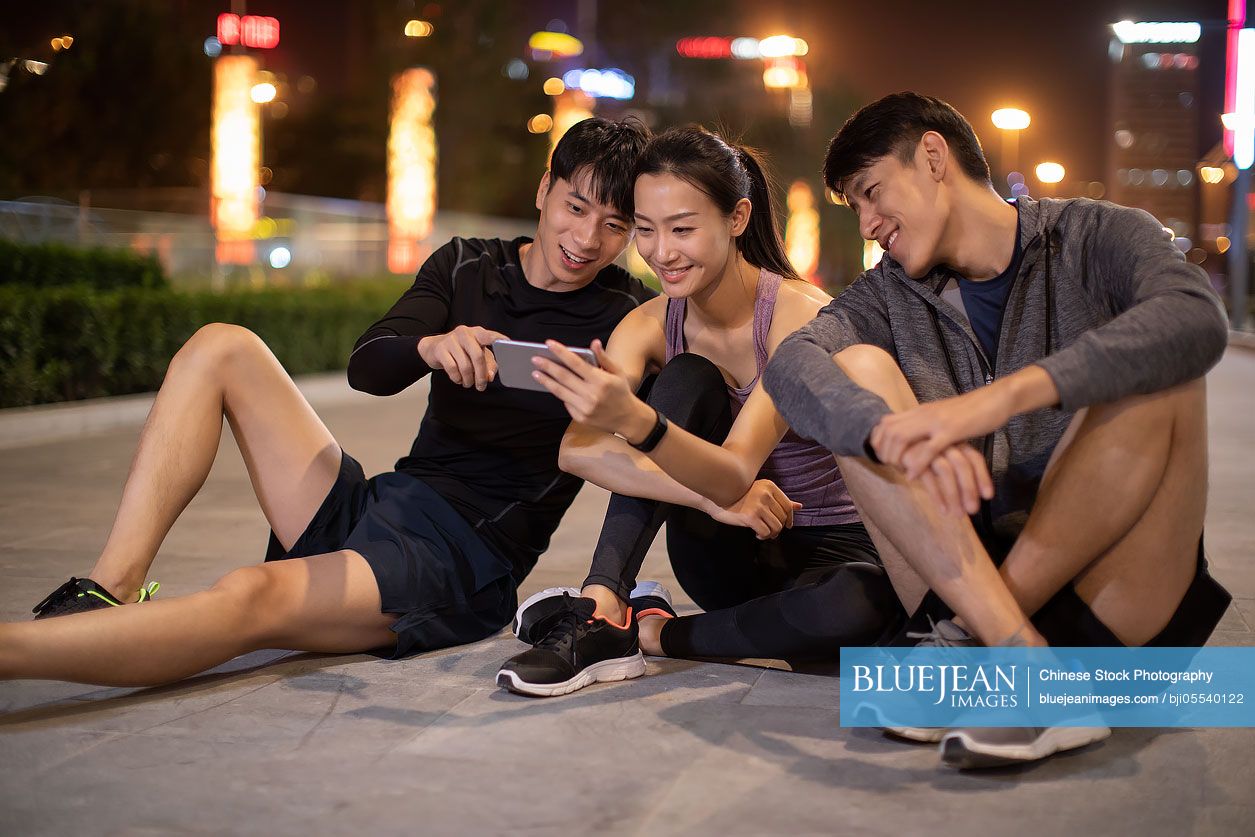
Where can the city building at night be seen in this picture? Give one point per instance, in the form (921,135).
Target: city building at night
(1153,132)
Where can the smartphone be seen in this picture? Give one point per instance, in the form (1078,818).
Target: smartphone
(514,362)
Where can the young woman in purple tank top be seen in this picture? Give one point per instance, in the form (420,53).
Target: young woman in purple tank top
(760,530)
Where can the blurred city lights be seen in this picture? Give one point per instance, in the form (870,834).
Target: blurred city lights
(1229,121)
(1236,19)
(1222,244)
(233,175)
(280,257)
(745,48)
(601,84)
(1129,32)
(1211,174)
(553,87)
(1050,172)
(263,92)
(784,73)
(782,46)
(63,42)
(418,29)
(709,47)
(545,45)
(801,230)
(571,107)
(540,123)
(250,30)
(872,254)
(411,167)
(213,47)
(801,107)
(1244,129)
(1011,119)
(36,67)
(516,69)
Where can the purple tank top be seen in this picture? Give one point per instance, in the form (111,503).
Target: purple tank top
(804,470)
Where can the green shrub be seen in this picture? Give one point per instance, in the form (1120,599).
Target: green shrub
(67,343)
(56,265)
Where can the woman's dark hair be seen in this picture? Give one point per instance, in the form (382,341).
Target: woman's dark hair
(609,151)
(726,173)
(894,125)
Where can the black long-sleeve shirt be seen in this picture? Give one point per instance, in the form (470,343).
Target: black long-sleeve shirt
(493,455)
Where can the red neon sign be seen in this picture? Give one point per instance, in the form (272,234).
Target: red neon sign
(250,30)
(708,47)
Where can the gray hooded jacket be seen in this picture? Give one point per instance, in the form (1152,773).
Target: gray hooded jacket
(1103,301)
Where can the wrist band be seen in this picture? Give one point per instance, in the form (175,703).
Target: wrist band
(655,436)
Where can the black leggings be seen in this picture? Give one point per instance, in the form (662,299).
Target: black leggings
(799,597)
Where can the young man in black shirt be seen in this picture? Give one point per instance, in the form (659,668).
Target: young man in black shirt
(426,556)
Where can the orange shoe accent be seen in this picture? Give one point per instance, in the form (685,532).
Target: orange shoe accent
(654,611)
(623,627)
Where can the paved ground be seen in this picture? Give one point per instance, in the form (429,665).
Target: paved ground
(298,744)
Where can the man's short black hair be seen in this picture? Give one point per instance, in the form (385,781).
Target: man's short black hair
(894,125)
(609,151)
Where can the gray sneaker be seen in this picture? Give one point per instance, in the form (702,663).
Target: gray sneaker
(975,748)
(943,634)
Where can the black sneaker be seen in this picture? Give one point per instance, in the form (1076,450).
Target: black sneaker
(650,598)
(535,615)
(579,649)
(79,595)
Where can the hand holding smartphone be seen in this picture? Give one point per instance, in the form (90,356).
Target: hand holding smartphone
(514,362)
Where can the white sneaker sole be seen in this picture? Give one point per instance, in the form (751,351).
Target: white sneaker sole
(919,735)
(536,597)
(607,671)
(652,588)
(959,749)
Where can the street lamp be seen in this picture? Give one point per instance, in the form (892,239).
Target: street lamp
(1010,121)
(263,92)
(1050,174)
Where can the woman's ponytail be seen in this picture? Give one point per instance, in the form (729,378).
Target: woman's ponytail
(761,244)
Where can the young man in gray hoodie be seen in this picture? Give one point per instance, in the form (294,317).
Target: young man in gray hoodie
(1015,396)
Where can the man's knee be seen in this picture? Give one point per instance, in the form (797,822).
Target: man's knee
(1184,403)
(874,369)
(216,346)
(252,593)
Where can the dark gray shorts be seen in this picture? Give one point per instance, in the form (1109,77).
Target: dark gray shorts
(446,585)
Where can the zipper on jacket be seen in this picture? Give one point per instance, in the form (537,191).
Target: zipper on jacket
(986,506)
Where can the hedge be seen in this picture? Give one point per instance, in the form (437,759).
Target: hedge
(67,343)
(56,265)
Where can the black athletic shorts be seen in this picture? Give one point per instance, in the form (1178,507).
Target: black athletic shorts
(1066,619)
(445,584)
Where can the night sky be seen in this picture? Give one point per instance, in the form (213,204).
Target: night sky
(1049,58)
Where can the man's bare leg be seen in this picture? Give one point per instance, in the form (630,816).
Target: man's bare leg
(328,603)
(943,551)
(1120,511)
(292,458)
